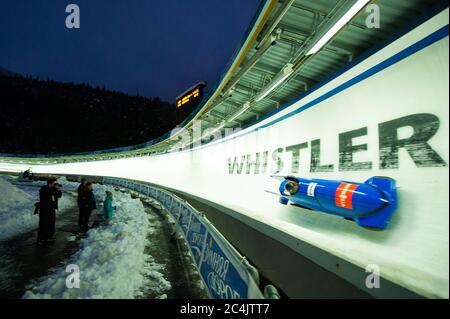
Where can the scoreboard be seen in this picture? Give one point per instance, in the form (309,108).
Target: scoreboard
(191,97)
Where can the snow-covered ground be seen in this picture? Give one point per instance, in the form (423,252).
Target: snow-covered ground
(17,208)
(111,259)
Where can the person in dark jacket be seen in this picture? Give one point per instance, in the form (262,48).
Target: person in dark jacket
(80,191)
(58,187)
(87,205)
(27,174)
(48,198)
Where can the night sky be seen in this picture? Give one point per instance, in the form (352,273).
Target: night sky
(154,47)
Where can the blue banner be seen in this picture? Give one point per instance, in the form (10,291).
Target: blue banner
(184,218)
(220,275)
(175,210)
(196,238)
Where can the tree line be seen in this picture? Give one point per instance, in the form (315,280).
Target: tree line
(45,117)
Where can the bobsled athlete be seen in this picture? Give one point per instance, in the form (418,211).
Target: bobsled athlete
(370,204)
(86,202)
(48,199)
(108,208)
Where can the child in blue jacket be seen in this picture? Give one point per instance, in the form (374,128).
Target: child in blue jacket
(108,208)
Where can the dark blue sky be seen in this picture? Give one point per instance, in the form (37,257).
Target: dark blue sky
(158,47)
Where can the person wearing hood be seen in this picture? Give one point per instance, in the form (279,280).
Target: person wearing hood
(108,208)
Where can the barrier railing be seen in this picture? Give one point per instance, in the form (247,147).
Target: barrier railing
(225,272)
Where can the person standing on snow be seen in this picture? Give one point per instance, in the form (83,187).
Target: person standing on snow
(27,174)
(80,190)
(58,191)
(48,198)
(87,205)
(108,208)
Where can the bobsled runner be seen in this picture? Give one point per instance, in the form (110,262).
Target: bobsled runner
(369,204)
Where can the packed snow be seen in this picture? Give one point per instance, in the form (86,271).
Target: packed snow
(17,208)
(111,260)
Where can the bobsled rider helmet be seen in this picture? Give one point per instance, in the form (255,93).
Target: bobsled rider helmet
(291,187)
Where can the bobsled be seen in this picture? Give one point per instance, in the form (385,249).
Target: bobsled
(369,204)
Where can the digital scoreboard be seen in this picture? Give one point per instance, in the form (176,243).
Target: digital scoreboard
(191,97)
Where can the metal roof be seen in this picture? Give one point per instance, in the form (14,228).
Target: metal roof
(278,36)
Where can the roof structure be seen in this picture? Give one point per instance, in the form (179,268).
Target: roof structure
(272,65)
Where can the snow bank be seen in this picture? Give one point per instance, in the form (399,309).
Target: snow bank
(17,208)
(111,259)
(11,195)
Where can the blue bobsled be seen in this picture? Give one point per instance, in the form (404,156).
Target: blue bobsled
(369,204)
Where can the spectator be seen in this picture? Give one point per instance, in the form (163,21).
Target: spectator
(27,174)
(48,197)
(80,190)
(87,205)
(108,208)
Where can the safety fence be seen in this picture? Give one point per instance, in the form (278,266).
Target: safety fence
(225,272)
